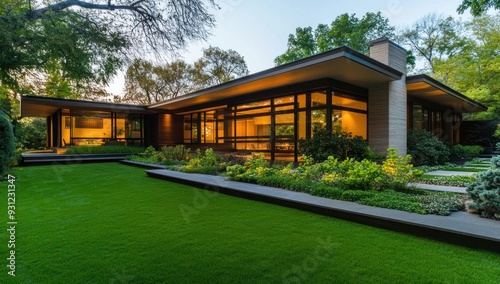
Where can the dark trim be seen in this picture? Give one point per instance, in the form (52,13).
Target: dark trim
(80,104)
(422,78)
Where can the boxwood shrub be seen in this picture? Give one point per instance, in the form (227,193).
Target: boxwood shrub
(427,149)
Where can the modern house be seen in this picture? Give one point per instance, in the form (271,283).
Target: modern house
(270,111)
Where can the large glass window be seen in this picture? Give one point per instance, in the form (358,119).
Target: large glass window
(348,103)
(95,128)
(318,99)
(349,121)
(274,125)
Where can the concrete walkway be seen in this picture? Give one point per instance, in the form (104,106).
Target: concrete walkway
(460,228)
(450,173)
(444,188)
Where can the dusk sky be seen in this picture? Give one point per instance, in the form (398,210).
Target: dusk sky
(259,29)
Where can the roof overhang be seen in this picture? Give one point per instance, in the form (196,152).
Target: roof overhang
(342,64)
(426,88)
(43,107)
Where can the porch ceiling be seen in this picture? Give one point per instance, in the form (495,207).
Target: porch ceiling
(342,64)
(425,88)
(44,107)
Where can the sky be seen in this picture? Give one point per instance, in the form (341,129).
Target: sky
(259,29)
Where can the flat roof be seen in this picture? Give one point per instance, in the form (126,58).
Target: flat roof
(429,89)
(32,106)
(342,64)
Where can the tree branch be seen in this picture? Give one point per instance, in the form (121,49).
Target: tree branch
(58,7)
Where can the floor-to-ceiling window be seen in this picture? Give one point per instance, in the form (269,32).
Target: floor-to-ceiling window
(96,128)
(275,125)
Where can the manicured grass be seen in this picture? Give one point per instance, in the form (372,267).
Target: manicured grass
(109,223)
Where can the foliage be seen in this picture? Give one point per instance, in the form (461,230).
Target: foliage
(395,200)
(478,7)
(7,144)
(345,30)
(207,163)
(433,38)
(341,145)
(445,166)
(426,149)
(485,192)
(104,150)
(459,181)
(74,47)
(146,83)
(175,153)
(31,133)
(465,152)
(474,71)
(398,170)
(442,203)
(395,172)
(218,66)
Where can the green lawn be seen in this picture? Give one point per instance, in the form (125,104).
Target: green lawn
(109,223)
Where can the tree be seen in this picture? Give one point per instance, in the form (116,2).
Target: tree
(7,145)
(217,66)
(433,38)
(176,77)
(30,133)
(478,7)
(88,41)
(475,70)
(345,30)
(146,83)
(140,84)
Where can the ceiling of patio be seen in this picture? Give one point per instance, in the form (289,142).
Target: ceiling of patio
(425,88)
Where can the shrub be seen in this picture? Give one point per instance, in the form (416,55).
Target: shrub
(426,149)
(442,203)
(7,144)
(208,163)
(465,152)
(341,145)
(398,171)
(394,200)
(174,153)
(485,192)
(30,133)
(356,195)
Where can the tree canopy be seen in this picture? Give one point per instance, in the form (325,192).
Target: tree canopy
(433,38)
(217,66)
(345,30)
(478,7)
(67,46)
(146,83)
